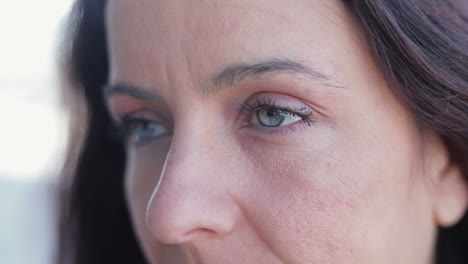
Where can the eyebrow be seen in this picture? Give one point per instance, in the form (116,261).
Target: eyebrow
(129,90)
(239,72)
(231,76)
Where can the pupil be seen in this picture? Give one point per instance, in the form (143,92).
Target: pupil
(271,112)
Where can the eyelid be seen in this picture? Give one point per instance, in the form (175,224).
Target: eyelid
(123,106)
(137,114)
(279,101)
(147,115)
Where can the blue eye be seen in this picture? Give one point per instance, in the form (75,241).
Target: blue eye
(139,131)
(272,117)
(266,112)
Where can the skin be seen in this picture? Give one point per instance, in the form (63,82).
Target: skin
(362,184)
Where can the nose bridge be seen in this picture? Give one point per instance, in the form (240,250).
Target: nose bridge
(190,200)
(188,159)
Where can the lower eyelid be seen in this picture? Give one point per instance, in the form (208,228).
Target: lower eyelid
(148,115)
(286,130)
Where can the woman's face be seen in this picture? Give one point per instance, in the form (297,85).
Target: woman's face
(263,132)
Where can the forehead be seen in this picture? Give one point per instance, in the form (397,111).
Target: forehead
(166,37)
(189,12)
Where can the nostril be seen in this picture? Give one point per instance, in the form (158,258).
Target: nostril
(196,234)
(200,233)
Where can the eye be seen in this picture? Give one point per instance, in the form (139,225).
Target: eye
(272,117)
(140,131)
(263,111)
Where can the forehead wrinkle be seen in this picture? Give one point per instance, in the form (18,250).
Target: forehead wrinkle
(225,16)
(186,38)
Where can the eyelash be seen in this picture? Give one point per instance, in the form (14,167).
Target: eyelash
(250,107)
(120,129)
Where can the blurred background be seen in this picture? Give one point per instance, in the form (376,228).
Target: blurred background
(32,127)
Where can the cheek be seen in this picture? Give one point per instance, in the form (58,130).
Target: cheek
(302,202)
(333,197)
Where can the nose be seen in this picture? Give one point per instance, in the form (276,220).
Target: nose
(191,200)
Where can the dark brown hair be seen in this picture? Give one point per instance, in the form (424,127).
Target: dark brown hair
(422,47)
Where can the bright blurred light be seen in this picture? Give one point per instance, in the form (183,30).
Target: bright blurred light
(31,139)
(28,36)
(32,128)
(32,133)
